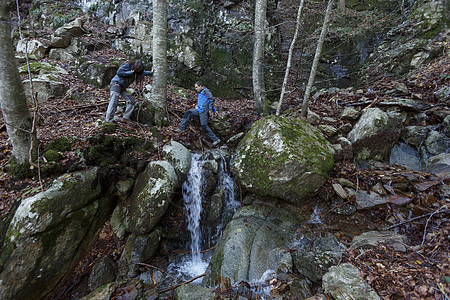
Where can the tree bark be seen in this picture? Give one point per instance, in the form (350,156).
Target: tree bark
(159,48)
(13,102)
(291,50)
(259,92)
(312,74)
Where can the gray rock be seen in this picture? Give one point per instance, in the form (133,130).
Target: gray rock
(180,158)
(251,243)
(102,273)
(350,113)
(46,87)
(406,156)
(344,282)
(443,94)
(375,133)
(63,35)
(328,130)
(120,220)
(283,157)
(313,118)
(436,143)
(371,239)
(191,291)
(368,199)
(138,249)
(415,135)
(440,165)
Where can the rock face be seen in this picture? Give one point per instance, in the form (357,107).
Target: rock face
(252,243)
(49,233)
(151,196)
(283,157)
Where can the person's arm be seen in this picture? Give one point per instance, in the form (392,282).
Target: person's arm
(211,100)
(124,70)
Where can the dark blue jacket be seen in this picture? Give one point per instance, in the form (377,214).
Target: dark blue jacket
(124,77)
(205,100)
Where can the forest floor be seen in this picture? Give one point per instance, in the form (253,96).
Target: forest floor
(422,272)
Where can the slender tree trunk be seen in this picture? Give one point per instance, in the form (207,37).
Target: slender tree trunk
(159,45)
(13,102)
(259,92)
(312,74)
(291,50)
(341,5)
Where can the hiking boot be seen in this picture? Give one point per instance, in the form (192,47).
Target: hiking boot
(179,130)
(215,143)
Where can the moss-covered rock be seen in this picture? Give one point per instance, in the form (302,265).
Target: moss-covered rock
(52,156)
(283,157)
(60,144)
(49,233)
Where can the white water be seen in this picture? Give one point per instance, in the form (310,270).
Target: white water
(315,216)
(196,263)
(86,4)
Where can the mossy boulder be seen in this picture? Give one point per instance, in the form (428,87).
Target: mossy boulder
(52,155)
(283,157)
(151,196)
(60,144)
(49,233)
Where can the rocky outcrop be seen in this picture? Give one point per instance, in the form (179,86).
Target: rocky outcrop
(49,233)
(283,157)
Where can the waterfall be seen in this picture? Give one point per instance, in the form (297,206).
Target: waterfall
(196,262)
(192,196)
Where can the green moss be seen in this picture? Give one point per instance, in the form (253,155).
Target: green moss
(108,128)
(52,155)
(61,144)
(20,170)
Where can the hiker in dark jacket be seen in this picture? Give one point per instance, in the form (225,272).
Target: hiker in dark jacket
(205,103)
(127,73)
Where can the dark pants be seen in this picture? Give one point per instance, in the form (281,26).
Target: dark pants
(203,121)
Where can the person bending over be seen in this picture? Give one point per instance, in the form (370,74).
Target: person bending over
(127,73)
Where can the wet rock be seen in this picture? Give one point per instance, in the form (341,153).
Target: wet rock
(371,239)
(138,249)
(344,282)
(257,234)
(102,273)
(406,156)
(368,199)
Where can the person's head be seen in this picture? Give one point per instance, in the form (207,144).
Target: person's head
(198,86)
(138,67)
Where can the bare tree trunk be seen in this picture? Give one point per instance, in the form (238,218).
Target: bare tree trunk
(291,50)
(12,96)
(312,74)
(259,92)
(159,45)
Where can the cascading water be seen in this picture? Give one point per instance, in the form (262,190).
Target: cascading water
(193,194)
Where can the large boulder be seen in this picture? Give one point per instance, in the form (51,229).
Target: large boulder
(95,73)
(46,87)
(151,196)
(34,48)
(374,135)
(283,157)
(63,35)
(49,233)
(252,243)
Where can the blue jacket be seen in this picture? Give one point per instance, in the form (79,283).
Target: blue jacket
(205,100)
(124,77)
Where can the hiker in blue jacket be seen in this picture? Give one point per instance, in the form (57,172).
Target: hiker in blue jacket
(127,73)
(205,103)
